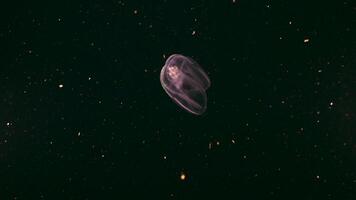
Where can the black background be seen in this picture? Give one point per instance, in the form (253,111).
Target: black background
(280,122)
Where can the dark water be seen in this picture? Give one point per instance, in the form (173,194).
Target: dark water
(83,114)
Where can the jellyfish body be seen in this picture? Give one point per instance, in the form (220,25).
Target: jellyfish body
(185,82)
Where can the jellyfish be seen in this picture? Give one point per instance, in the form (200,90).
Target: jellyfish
(186,83)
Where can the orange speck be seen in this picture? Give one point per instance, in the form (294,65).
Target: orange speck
(183,177)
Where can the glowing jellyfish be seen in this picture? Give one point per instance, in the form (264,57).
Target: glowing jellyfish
(185,82)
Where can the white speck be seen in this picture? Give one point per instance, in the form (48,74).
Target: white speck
(317,176)
(331,103)
(165,157)
(193,33)
(306,40)
(60,85)
(320,70)
(78,133)
(89,78)
(102,155)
